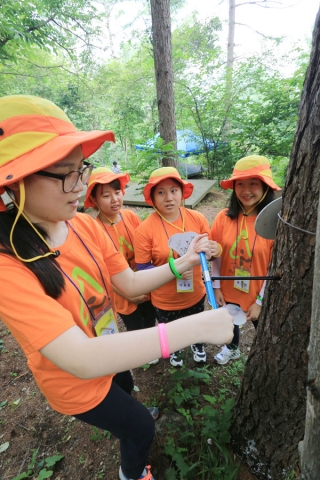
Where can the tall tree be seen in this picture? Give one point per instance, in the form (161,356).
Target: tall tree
(269,416)
(230,50)
(232,23)
(162,47)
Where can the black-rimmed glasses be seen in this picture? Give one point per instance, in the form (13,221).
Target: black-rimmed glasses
(70,180)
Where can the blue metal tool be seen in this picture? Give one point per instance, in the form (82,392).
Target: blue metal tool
(180,243)
(207,281)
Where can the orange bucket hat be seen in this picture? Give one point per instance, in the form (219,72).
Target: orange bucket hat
(163,174)
(254,166)
(35,133)
(102,176)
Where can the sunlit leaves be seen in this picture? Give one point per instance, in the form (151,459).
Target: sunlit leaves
(48,24)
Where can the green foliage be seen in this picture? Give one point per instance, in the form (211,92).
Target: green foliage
(292,475)
(259,115)
(232,373)
(99,435)
(195,48)
(144,163)
(127,89)
(48,24)
(264,111)
(40,469)
(279,170)
(199,448)
(151,158)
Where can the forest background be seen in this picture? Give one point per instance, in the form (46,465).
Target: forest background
(69,53)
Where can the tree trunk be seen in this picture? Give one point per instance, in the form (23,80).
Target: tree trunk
(309,448)
(162,47)
(231,28)
(229,70)
(269,415)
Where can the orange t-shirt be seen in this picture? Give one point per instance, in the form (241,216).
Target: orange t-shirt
(252,255)
(121,236)
(35,319)
(151,245)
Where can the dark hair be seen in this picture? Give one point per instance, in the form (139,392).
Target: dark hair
(28,245)
(155,186)
(114,163)
(115,184)
(234,207)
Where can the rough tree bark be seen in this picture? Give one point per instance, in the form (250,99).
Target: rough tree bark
(162,48)
(309,448)
(269,415)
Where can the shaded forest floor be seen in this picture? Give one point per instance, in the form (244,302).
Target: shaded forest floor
(28,424)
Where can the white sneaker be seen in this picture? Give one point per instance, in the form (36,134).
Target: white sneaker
(154,362)
(176,360)
(227,354)
(199,354)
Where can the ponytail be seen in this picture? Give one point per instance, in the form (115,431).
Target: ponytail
(28,245)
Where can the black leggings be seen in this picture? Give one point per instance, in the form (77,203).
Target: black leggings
(236,335)
(128,420)
(166,316)
(143,317)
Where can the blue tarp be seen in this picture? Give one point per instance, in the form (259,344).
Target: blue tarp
(188,143)
(189,170)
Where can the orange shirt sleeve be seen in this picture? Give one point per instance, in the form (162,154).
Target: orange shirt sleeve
(35,319)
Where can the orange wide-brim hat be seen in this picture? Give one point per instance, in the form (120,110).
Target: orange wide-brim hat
(35,133)
(254,166)
(163,174)
(102,176)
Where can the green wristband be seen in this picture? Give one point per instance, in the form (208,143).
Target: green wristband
(173,269)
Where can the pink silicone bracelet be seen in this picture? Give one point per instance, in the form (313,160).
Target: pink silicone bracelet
(163,340)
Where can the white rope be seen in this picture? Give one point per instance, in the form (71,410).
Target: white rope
(297,228)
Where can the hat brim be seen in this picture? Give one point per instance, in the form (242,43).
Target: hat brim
(104,179)
(187,187)
(52,152)
(229,184)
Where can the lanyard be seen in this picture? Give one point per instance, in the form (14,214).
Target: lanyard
(74,284)
(172,224)
(114,226)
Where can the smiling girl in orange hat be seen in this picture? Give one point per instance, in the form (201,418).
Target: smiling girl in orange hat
(57,272)
(245,253)
(105,193)
(165,191)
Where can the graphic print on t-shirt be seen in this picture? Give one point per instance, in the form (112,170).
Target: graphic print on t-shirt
(95,302)
(240,252)
(127,251)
